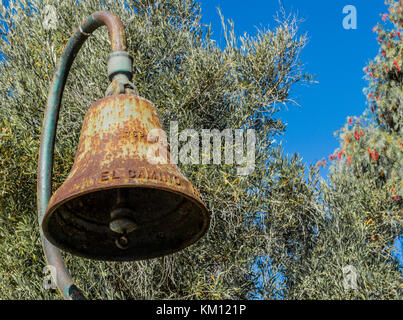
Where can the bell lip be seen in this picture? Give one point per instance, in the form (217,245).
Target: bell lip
(199,202)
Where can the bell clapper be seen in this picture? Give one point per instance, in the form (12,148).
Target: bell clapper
(122,242)
(122,221)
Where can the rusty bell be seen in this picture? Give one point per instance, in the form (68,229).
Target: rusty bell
(115,204)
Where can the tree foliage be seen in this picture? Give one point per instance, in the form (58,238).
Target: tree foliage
(371,145)
(364,194)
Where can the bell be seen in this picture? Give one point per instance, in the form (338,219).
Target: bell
(115,204)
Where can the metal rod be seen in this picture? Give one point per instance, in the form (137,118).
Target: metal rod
(53,256)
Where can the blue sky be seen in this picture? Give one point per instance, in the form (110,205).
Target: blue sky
(337,56)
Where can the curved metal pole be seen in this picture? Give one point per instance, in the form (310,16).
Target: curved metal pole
(53,256)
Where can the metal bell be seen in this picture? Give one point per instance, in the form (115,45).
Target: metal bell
(115,204)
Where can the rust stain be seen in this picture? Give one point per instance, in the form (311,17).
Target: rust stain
(115,27)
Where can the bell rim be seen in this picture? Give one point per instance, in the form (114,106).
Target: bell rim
(198,202)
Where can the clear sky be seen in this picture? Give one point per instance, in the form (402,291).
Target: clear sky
(337,56)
